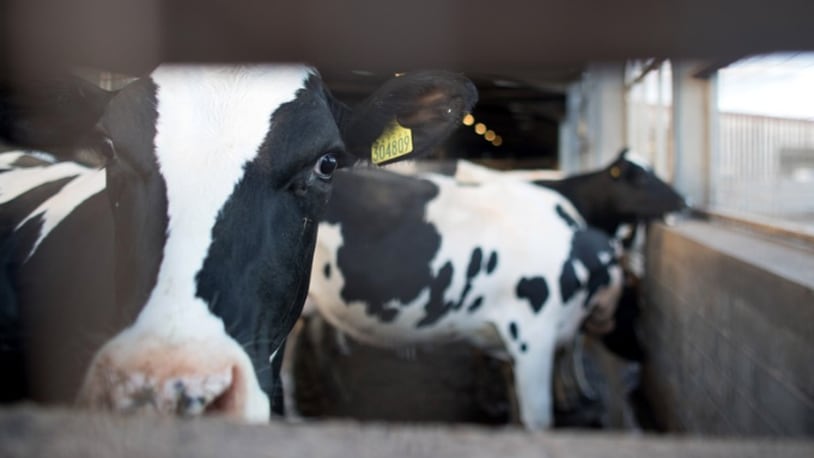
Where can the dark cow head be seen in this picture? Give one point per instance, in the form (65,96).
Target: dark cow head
(216,178)
(636,193)
(626,191)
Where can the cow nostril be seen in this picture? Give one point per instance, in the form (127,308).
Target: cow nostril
(195,396)
(190,405)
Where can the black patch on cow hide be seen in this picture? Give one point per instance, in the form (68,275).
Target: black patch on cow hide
(523,348)
(474,263)
(569,282)
(569,220)
(492,263)
(378,213)
(475,304)
(436,308)
(535,290)
(327,270)
(586,247)
(513,330)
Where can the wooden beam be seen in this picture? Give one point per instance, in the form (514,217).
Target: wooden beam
(521,37)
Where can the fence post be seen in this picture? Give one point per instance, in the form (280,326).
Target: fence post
(691,132)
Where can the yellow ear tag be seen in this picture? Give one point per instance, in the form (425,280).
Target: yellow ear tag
(395,141)
(615,172)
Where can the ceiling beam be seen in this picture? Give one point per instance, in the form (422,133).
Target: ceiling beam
(518,37)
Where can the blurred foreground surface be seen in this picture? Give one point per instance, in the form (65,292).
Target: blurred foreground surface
(28,432)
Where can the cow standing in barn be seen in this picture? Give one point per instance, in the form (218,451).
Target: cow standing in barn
(507,266)
(194,243)
(624,192)
(619,199)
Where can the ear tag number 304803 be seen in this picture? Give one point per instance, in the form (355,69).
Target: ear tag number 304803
(395,141)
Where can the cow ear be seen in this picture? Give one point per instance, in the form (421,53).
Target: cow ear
(50,113)
(408,116)
(618,166)
(621,157)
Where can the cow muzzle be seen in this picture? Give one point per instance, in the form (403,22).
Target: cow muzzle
(134,374)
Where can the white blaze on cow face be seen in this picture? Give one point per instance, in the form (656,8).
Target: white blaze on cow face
(231,111)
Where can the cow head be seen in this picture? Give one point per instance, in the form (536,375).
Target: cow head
(636,193)
(216,179)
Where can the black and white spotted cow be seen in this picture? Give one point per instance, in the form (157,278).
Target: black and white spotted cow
(508,266)
(619,199)
(195,240)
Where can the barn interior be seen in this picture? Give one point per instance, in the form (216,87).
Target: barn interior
(521,119)
(726,302)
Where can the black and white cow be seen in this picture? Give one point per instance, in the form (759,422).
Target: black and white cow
(619,199)
(508,266)
(216,177)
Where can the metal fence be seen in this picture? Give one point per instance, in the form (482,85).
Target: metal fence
(649,113)
(765,166)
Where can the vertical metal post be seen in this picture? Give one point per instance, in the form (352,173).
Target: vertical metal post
(691,133)
(713,143)
(606,119)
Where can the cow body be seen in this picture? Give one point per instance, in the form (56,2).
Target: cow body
(619,199)
(506,266)
(214,182)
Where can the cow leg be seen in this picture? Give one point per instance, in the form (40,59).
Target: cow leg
(533,364)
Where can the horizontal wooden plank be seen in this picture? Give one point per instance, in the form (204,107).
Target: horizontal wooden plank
(29,432)
(520,37)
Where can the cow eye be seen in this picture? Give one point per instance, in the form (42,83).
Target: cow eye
(326,165)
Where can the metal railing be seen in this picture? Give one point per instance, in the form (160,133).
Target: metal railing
(765,166)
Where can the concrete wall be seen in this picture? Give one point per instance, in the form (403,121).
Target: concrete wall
(728,320)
